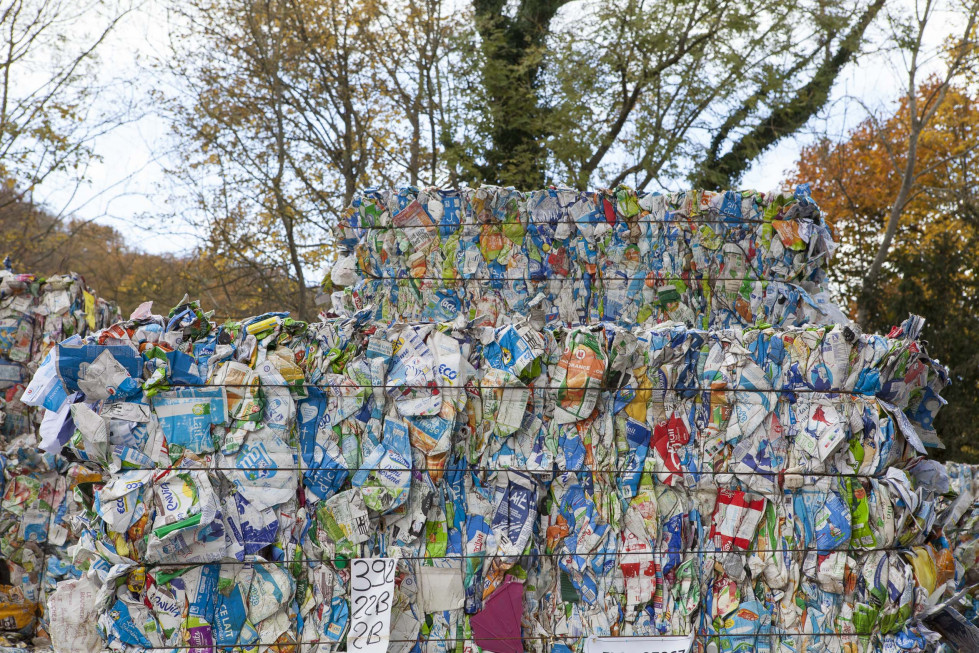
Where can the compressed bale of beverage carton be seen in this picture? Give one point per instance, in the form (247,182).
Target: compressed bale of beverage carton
(35,314)
(752,488)
(960,517)
(707,259)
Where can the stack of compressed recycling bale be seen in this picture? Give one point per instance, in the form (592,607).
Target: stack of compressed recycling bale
(35,314)
(538,479)
(707,259)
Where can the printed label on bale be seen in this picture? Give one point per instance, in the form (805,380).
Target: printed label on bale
(639,644)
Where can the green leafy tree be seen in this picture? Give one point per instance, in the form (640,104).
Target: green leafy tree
(641,92)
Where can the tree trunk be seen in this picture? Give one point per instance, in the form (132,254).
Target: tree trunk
(282,207)
(512,50)
(719,172)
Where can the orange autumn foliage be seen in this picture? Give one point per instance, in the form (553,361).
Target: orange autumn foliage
(931,267)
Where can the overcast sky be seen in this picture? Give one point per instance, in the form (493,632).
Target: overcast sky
(131,181)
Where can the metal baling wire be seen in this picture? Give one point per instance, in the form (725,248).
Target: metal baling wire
(495,556)
(540,638)
(439,386)
(533,472)
(592,277)
(735,224)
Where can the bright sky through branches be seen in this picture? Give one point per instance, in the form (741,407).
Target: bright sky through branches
(130,185)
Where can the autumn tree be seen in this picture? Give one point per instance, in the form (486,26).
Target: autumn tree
(900,190)
(51,113)
(34,240)
(930,268)
(282,119)
(412,44)
(48,117)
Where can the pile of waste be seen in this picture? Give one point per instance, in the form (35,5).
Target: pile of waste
(961,518)
(753,489)
(706,259)
(35,314)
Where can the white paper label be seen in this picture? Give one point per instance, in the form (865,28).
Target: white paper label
(371,596)
(639,644)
